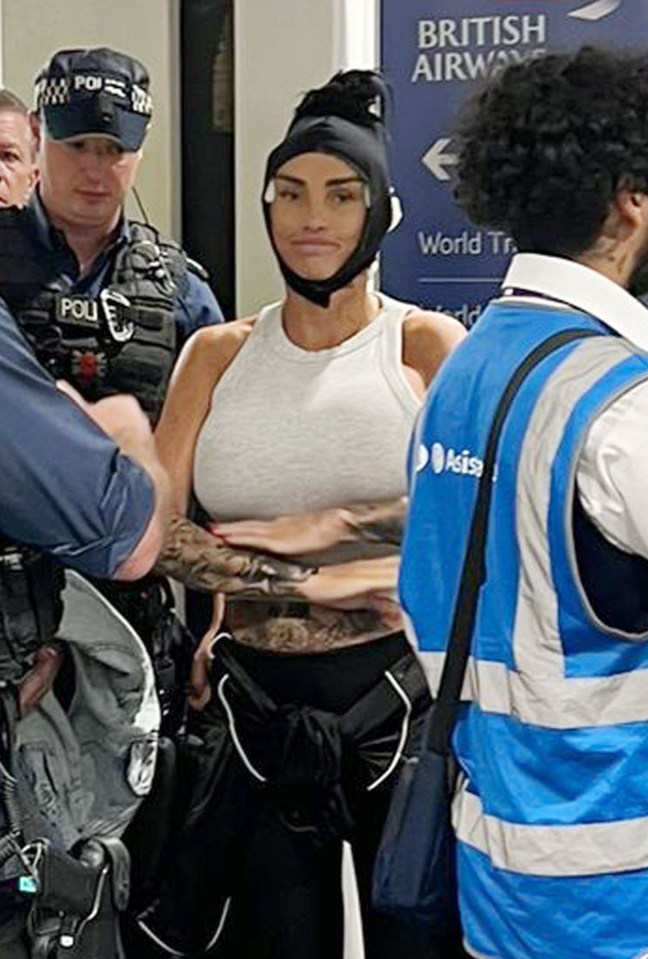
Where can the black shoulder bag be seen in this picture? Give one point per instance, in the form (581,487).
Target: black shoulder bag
(414,869)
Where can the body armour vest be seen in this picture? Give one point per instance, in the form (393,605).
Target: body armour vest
(124,341)
(551,809)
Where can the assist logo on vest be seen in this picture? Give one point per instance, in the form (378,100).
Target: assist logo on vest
(448,460)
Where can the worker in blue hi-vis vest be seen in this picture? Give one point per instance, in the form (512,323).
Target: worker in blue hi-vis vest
(551,804)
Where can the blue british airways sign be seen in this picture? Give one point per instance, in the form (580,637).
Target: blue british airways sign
(435,53)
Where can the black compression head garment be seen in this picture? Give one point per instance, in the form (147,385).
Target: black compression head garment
(339,119)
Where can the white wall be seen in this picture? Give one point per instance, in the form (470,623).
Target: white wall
(282,48)
(31,30)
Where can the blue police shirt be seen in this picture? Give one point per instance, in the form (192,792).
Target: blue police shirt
(64,487)
(196,305)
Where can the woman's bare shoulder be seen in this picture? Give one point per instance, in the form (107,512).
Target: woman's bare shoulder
(428,337)
(215,347)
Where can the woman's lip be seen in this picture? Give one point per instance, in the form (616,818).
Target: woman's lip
(317,245)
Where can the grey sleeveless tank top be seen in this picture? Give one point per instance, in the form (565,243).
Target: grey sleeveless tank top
(291,430)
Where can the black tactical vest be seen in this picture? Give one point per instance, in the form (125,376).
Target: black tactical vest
(124,341)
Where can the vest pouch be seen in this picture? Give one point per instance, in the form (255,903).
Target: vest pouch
(413,873)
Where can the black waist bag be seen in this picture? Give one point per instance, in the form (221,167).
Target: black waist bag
(413,873)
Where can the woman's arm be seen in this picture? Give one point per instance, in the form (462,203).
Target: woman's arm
(428,338)
(318,530)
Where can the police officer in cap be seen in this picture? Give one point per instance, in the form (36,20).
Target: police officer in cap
(105,517)
(109,301)
(92,112)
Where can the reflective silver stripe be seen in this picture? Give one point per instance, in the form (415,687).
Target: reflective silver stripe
(590,849)
(537,647)
(555,703)
(432,664)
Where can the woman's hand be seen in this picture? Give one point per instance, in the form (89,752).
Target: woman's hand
(286,535)
(200,688)
(355,585)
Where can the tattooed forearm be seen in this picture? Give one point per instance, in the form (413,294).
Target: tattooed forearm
(204,562)
(376,522)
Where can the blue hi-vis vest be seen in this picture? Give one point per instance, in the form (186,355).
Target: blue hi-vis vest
(551,812)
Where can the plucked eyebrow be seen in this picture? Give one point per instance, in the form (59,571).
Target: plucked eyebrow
(335,181)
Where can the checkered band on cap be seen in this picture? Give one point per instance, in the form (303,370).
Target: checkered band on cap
(141,100)
(52,92)
(55,91)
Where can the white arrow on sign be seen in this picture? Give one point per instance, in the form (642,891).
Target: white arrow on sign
(596,10)
(436,160)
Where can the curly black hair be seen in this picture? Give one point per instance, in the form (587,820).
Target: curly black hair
(356,95)
(547,145)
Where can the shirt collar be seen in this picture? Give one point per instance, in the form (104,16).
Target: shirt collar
(583,288)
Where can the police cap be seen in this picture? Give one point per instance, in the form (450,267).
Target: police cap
(95,92)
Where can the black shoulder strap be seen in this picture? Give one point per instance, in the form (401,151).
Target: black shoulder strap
(473,573)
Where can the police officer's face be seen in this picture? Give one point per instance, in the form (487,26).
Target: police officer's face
(17,155)
(84,182)
(317,214)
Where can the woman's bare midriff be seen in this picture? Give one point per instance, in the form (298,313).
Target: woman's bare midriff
(315,630)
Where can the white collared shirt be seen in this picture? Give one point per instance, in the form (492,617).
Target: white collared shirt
(612,474)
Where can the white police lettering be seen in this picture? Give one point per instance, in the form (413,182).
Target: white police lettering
(471,48)
(78,309)
(83,81)
(93,83)
(449,460)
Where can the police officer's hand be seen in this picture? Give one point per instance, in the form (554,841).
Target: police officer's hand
(40,678)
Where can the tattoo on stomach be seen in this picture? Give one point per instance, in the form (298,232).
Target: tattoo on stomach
(320,630)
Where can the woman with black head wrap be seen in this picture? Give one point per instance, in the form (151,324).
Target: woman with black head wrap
(292,428)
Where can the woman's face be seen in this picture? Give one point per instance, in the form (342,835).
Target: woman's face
(317,214)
